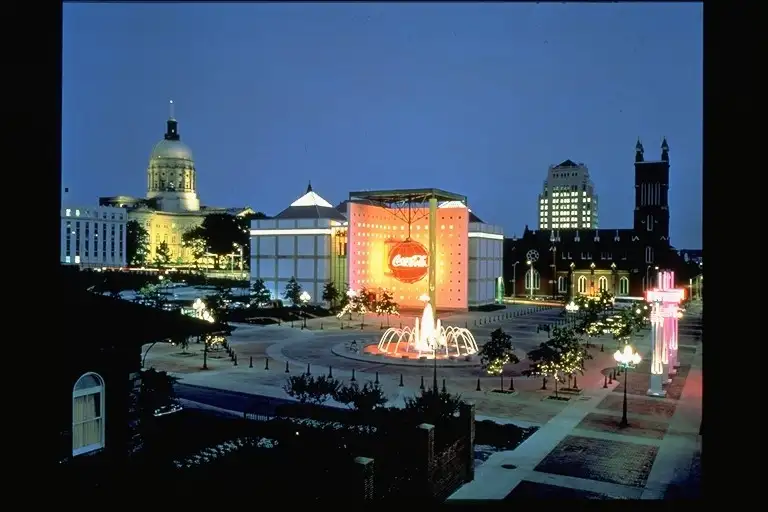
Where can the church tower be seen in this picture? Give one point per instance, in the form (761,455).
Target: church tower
(651,219)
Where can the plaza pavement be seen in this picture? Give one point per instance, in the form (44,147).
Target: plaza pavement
(579,451)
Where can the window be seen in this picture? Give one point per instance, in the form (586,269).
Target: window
(649,254)
(649,223)
(602,283)
(88,414)
(532,279)
(582,284)
(624,286)
(562,285)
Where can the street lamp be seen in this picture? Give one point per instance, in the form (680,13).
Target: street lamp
(514,280)
(627,360)
(613,272)
(304,298)
(572,266)
(530,278)
(592,278)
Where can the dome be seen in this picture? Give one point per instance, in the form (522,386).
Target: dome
(171,149)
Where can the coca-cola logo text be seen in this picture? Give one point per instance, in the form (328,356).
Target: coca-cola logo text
(415,261)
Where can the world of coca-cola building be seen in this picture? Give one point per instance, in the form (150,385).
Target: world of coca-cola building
(388,248)
(378,245)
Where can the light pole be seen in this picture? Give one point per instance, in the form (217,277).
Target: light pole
(514,280)
(304,298)
(613,276)
(592,278)
(627,360)
(572,266)
(647,278)
(530,278)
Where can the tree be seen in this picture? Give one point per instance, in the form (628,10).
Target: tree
(433,406)
(136,243)
(293,292)
(562,354)
(217,304)
(386,305)
(306,388)
(224,234)
(162,254)
(261,294)
(155,392)
(150,295)
(497,352)
(330,293)
(194,240)
(365,399)
(593,310)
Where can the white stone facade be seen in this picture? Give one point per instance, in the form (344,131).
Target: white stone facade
(486,243)
(285,248)
(93,237)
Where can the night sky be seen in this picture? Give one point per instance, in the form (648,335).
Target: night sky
(477,99)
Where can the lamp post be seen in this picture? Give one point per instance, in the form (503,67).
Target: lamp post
(592,278)
(530,278)
(572,266)
(304,298)
(514,280)
(613,275)
(627,360)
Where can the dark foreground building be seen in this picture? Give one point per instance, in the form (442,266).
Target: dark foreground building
(622,261)
(98,368)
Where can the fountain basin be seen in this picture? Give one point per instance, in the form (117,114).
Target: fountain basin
(368,351)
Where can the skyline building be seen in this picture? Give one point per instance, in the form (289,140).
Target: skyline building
(568,199)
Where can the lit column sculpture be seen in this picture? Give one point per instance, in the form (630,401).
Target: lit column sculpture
(664,299)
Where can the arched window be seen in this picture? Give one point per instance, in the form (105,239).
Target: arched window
(88,414)
(582,284)
(624,286)
(532,279)
(602,283)
(649,254)
(562,285)
(649,223)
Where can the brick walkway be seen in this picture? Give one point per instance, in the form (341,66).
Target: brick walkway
(582,453)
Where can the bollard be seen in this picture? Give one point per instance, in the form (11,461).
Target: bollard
(478,384)
(601,348)
(401,324)
(421,387)
(511,383)
(250,365)
(377,378)
(291,323)
(330,372)
(401,380)
(286,367)
(308,371)
(475,323)
(610,377)
(235,360)
(361,326)
(321,326)
(342,325)
(381,326)
(353,376)
(444,390)
(266,363)
(278,322)
(465,324)
(605,382)
(575,383)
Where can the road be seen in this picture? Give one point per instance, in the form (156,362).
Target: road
(230,400)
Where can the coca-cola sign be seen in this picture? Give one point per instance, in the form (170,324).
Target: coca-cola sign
(409,261)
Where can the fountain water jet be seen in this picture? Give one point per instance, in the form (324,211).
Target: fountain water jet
(428,338)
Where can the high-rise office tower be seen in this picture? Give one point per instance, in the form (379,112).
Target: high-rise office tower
(568,200)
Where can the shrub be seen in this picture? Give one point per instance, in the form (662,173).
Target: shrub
(306,388)
(434,407)
(364,399)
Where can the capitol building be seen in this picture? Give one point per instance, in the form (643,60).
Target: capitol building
(171,206)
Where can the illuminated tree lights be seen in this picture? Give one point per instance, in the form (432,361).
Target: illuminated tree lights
(559,356)
(386,305)
(497,352)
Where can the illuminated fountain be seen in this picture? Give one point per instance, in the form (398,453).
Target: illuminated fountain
(427,338)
